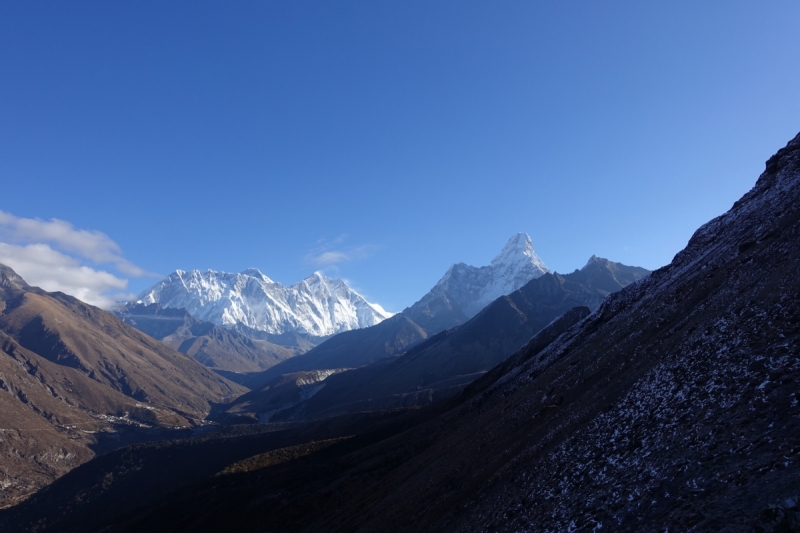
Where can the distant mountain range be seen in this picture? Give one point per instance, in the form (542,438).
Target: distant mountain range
(320,306)
(672,406)
(459,295)
(317,306)
(440,365)
(221,349)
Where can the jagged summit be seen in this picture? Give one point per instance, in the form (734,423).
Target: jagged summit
(256,273)
(593,261)
(11,280)
(464,290)
(317,305)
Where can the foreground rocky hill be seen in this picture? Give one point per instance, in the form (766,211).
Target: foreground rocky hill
(672,407)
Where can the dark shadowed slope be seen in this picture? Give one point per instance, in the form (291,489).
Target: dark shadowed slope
(673,405)
(71,373)
(350,349)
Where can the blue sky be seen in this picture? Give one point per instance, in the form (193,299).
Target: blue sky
(377,141)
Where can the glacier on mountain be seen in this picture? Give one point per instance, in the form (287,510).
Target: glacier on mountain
(318,305)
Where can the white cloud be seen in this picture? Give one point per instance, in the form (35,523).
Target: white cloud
(330,258)
(52,255)
(41,266)
(330,253)
(92,245)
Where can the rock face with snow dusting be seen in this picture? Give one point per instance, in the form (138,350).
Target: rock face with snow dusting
(464,290)
(317,306)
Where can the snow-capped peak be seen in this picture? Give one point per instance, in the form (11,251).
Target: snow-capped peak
(518,252)
(317,305)
(256,273)
(471,288)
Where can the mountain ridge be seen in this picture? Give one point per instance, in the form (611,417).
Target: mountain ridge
(442,364)
(449,303)
(317,305)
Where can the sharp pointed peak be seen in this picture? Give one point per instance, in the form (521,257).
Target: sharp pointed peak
(518,243)
(519,249)
(519,240)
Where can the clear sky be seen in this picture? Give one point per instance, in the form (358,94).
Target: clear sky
(378,141)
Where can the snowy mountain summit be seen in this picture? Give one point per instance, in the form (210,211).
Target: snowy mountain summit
(464,290)
(317,305)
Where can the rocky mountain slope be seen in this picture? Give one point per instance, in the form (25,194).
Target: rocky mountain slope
(441,365)
(72,375)
(316,306)
(218,348)
(672,406)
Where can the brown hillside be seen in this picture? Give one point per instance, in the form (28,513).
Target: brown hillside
(71,373)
